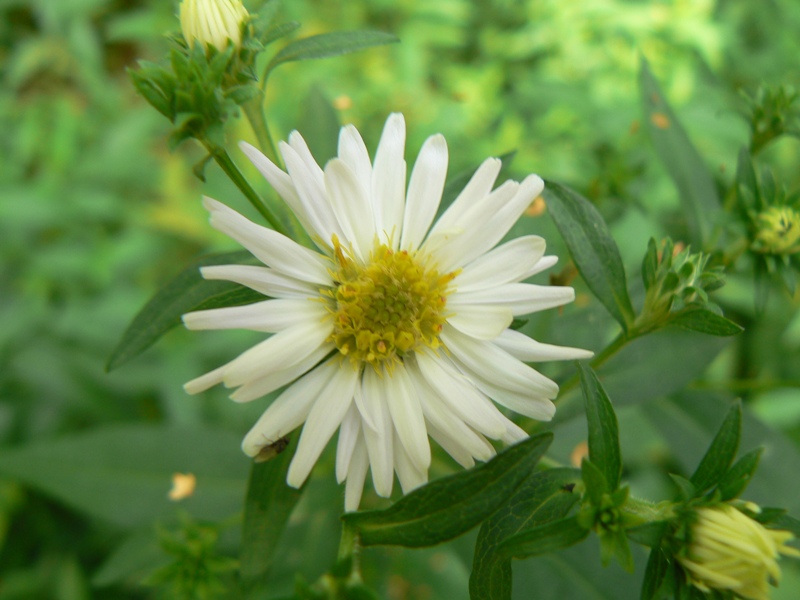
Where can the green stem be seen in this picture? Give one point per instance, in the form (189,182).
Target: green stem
(615,346)
(348,544)
(254,111)
(225,162)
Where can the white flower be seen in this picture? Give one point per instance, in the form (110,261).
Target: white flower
(729,551)
(212,22)
(395,329)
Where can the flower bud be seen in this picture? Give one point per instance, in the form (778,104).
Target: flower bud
(729,551)
(213,22)
(778,231)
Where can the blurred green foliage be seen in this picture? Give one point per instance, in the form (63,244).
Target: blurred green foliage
(96,215)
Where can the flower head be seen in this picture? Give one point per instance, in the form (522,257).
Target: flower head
(778,231)
(729,551)
(395,328)
(212,22)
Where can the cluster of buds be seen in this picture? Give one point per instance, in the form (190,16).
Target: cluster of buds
(772,112)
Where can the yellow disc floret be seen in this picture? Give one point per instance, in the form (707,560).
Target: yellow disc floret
(391,305)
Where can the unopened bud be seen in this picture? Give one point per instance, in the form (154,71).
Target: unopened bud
(778,231)
(213,22)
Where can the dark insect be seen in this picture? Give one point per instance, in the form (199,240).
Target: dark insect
(271,451)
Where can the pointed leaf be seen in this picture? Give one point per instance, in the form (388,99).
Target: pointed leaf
(592,248)
(736,479)
(269,503)
(544,539)
(187,292)
(319,125)
(685,487)
(330,44)
(448,507)
(696,188)
(650,264)
(543,497)
(595,482)
(704,321)
(278,31)
(604,449)
(657,566)
(721,453)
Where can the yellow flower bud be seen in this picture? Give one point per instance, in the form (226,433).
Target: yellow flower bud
(778,231)
(729,551)
(213,22)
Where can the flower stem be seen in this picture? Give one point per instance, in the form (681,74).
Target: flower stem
(225,162)
(254,111)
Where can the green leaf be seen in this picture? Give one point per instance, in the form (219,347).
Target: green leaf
(544,539)
(543,497)
(604,449)
(330,44)
(786,523)
(123,474)
(747,189)
(696,188)
(686,488)
(448,507)
(657,566)
(278,31)
(186,293)
(650,264)
(736,479)
(269,503)
(704,321)
(319,125)
(138,555)
(592,248)
(721,453)
(614,544)
(595,482)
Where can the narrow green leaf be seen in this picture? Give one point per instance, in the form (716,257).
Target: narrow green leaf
(330,44)
(278,31)
(592,248)
(704,321)
(696,188)
(650,264)
(319,125)
(685,487)
(648,534)
(657,566)
(269,503)
(604,449)
(138,555)
(595,482)
(543,497)
(736,479)
(746,183)
(122,474)
(544,539)
(448,507)
(187,292)
(786,523)
(721,453)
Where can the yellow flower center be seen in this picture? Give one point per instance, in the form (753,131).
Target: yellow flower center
(387,307)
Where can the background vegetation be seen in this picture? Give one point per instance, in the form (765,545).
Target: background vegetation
(96,214)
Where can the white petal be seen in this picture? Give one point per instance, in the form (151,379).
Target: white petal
(529,404)
(280,351)
(482,322)
(526,349)
(520,298)
(351,206)
(410,475)
(262,279)
(310,185)
(288,411)
(460,396)
(478,187)
(354,153)
(349,433)
(356,474)
(514,433)
(324,418)
(407,416)
(424,191)
(256,388)
(204,382)
(389,179)
(270,247)
(496,366)
(378,437)
(542,265)
(510,262)
(452,446)
(268,316)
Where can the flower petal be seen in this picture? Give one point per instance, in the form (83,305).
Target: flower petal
(351,206)
(262,279)
(285,348)
(526,349)
(510,262)
(324,418)
(478,187)
(204,382)
(349,433)
(410,475)
(270,247)
(482,322)
(407,417)
(354,154)
(520,298)
(424,191)
(268,316)
(379,437)
(288,411)
(389,179)
(356,474)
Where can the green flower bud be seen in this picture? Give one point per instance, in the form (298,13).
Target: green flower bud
(213,22)
(729,551)
(778,231)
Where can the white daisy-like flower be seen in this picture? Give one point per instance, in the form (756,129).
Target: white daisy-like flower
(396,329)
